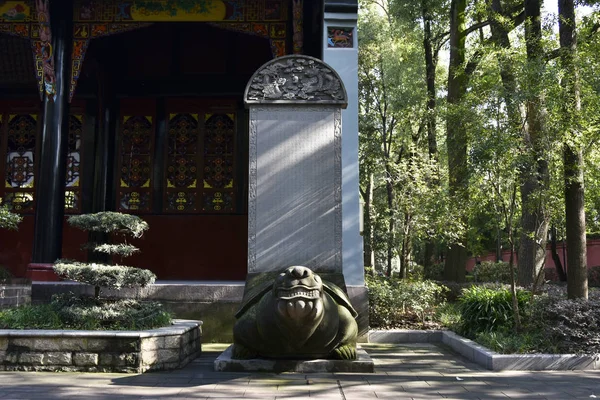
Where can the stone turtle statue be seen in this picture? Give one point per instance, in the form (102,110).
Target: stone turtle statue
(298,316)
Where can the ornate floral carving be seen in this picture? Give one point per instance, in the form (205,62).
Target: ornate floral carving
(296,79)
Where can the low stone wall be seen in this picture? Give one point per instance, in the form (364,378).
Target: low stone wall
(101,351)
(487,358)
(14,295)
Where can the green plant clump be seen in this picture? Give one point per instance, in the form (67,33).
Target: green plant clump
(5,275)
(39,316)
(393,302)
(594,276)
(89,313)
(485,309)
(488,271)
(573,325)
(66,312)
(9,220)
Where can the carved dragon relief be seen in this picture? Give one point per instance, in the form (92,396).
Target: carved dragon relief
(296,79)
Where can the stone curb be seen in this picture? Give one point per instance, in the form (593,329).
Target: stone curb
(179,327)
(485,357)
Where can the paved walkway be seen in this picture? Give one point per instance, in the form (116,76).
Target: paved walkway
(409,371)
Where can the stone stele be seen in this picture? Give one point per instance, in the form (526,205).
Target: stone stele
(294,314)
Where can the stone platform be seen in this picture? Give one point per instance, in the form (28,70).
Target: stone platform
(363,363)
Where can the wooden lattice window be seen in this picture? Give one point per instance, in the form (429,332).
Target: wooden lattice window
(135,159)
(19,144)
(200,159)
(73,178)
(219,140)
(19,136)
(182,163)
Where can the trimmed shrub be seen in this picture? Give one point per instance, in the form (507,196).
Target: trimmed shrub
(110,276)
(101,313)
(484,309)
(392,301)
(488,271)
(102,275)
(110,221)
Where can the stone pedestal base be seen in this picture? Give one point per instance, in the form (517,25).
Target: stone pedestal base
(225,363)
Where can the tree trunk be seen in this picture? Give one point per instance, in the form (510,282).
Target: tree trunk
(456,136)
(534,177)
(430,76)
(430,66)
(406,247)
(392,221)
(368,232)
(557,264)
(577,283)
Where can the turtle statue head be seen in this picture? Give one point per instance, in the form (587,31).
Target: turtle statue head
(299,294)
(294,314)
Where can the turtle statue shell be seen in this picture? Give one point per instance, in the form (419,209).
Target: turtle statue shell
(296,316)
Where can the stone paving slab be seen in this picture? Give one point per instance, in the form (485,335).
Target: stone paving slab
(402,371)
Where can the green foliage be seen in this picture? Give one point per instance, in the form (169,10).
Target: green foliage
(448,314)
(573,325)
(71,312)
(505,342)
(121,249)
(393,301)
(110,276)
(435,272)
(110,221)
(9,220)
(5,275)
(489,271)
(90,313)
(594,276)
(42,316)
(484,309)
(101,275)
(454,289)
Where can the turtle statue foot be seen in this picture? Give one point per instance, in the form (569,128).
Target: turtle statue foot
(241,352)
(344,352)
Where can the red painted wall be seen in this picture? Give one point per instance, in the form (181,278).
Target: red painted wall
(194,247)
(16,246)
(185,247)
(593,255)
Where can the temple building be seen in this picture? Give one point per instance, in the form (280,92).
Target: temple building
(137,106)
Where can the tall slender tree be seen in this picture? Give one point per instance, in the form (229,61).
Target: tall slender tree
(456,134)
(577,283)
(534,174)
